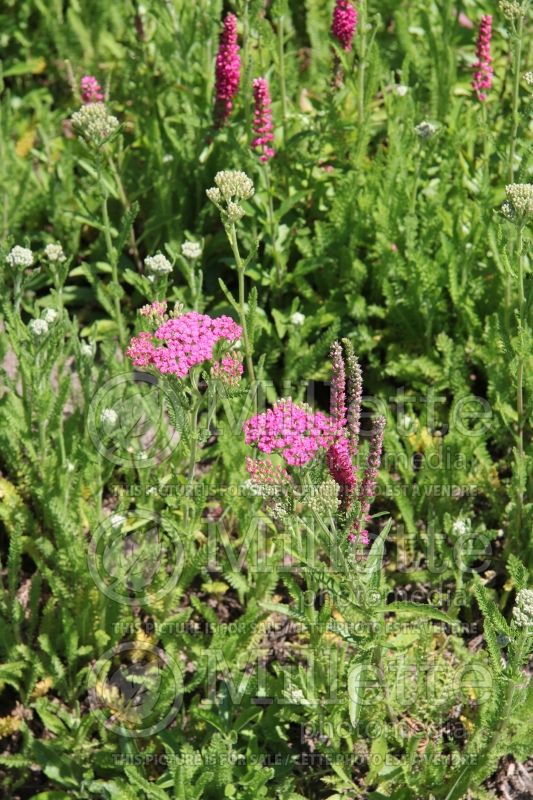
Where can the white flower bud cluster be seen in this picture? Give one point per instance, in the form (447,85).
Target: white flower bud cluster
(94,123)
(158,264)
(426,130)
(191,249)
(520,195)
(523,609)
(87,350)
(50,315)
(38,327)
(19,257)
(109,418)
(297,319)
(528,77)
(54,253)
(231,187)
(324,498)
(511,8)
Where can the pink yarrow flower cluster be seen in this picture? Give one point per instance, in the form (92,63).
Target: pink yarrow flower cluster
(182,343)
(483,72)
(227,70)
(295,431)
(91,91)
(344,23)
(229,369)
(263,126)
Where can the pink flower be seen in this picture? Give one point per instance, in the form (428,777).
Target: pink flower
(91,91)
(182,343)
(266,473)
(483,72)
(263,126)
(342,470)
(344,23)
(296,432)
(464,21)
(227,70)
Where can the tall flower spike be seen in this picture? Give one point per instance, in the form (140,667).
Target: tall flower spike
(227,70)
(368,484)
(483,72)
(338,383)
(91,91)
(344,23)
(354,386)
(263,126)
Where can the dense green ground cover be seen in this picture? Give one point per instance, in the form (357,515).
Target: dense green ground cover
(170,628)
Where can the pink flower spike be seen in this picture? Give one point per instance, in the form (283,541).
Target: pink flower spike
(338,386)
(483,72)
(91,91)
(344,23)
(227,70)
(262,124)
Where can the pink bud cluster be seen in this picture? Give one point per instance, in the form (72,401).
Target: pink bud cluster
(229,369)
(227,70)
(296,432)
(182,343)
(262,125)
(266,473)
(344,23)
(91,91)
(483,72)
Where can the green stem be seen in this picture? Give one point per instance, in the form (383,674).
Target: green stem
(362,69)
(517,64)
(520,375)
(282,84)
(242,314)
(112,257)
(272,226)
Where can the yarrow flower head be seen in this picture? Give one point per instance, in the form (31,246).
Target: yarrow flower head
(482,80)
(158,264)
(227,70)
(295,431)
(155,312)
(50,315)
(523,609)
(426,130)
(231,187)
(91,91)
(109,418)
(182,343)
(94,123)
(54,253)
(262,124)
(528,77)
(511,8)
(191,249)
(297,319)
(38,327)
(19,257)
(519,200)
(344,23)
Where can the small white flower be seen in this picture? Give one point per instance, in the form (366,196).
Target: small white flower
(191,249)
(401,90)
(142,455)
(297,318)
(87,350)
(39,327)
(70,467)
(109,418)
(407,421)
(167,158)
(235,212)
(19,257)
(426,130)
(460,527)
(523,610)
(94,123)
(234,184)
(50,315)
(158,264)
(54,253)
(151,490)
(117,521)
(528,77)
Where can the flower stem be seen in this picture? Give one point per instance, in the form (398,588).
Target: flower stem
(362,69)
(242,314)
(517,64)
(112,257)
(272,226)
(282,83)
(520,373)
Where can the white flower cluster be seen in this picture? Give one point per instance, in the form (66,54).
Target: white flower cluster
(520,196)
(19,257)
(460,527)
(54,253)
(94,123)
(511,8)
(401,90)
(158,264)
(523,609)
(38,327)
(297,318)
(117,521)
(87,350)
(324,498)
(191,249)
(231,187)
(528,77)
(50,315)
(426,130)
(109,418)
